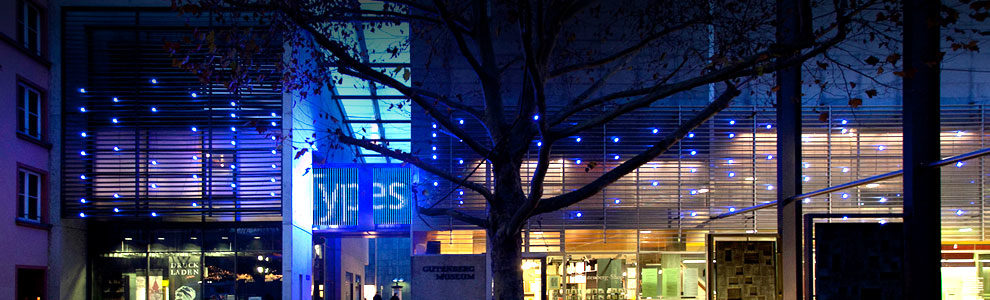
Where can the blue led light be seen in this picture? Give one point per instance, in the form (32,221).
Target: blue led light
(436,183)
(694,152)
(732,209)
(845,195)
(536,117)
(615,139)
(655,131)
(769,126)
(577,161)
(194,204)
(154,109)
(115,100)
(694,213)
(193,94)
(960,164)
(272,179)
(154,81)
(82,91)
(616,157)
(82,109)
(881,148)
(690,135)
(539,143)
(882,200)
(434,156)
(154,162)
(656,183)
(233,143)
(732,174)
(83,134)
(116,210)
(769,156)
(194,129)
(83,153)
(114,120)
(82,200)
(273,115)
(83,177)
(578,214)
(460,121)
(693,192)
(732,122)
(82,215)
(577,139)
(233,115)
(154,214)
(154,186)
(843,122)
(116,196)
(115,148)
(960,212)
(273,123)
(232,128)
(233,185)
(460,161)
(434,148)
(434,125)
(434,134)
(732,135)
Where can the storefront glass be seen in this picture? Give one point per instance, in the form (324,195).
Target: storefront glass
(176,263)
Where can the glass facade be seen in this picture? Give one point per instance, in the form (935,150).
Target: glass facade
(656,222)
(188,262)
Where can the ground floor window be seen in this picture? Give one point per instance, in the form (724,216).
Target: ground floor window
(30,283)
(186,262)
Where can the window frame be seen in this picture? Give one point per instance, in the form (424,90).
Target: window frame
(23,172)
(24,7)
(23,101)
(44,278)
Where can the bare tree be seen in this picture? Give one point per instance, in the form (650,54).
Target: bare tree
(539,64)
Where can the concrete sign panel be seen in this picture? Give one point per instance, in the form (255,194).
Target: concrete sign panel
(438,276)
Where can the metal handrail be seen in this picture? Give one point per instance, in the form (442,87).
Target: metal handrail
(855,183)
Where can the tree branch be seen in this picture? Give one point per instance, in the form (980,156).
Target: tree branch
(570,198)
(618,55)
(413,160)
(453,213)
(348,63)
(461,43)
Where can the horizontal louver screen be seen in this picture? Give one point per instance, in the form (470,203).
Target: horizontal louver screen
(144,138)
(728,163)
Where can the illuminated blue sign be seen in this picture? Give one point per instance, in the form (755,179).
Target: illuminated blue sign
(361,198)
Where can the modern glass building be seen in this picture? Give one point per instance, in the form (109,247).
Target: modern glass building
(169,184)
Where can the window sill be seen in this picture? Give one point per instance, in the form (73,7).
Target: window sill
(34,140)
(34,56)
(33,224)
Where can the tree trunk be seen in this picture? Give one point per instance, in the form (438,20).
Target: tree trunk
(506,265)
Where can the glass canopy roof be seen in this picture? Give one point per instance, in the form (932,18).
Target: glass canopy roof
(373,111)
